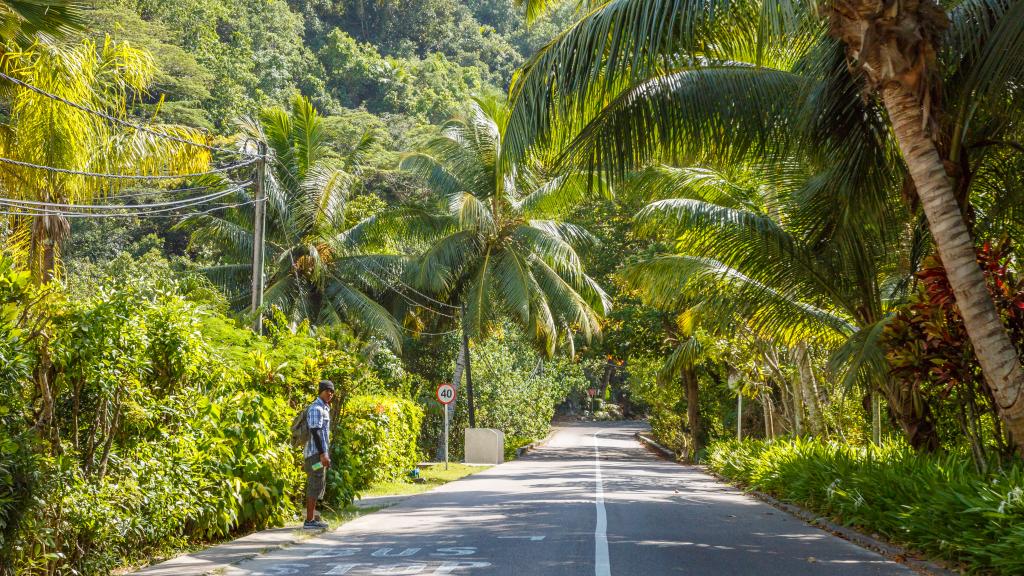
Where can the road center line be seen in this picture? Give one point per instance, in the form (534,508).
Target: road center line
(601,564)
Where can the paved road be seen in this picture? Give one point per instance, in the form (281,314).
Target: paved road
(593,502)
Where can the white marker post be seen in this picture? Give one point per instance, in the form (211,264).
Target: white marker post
(445,395)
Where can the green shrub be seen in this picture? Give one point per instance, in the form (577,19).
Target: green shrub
(381,433)
(172,425)
(937,504)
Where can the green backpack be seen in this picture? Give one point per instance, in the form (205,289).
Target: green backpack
(300,428)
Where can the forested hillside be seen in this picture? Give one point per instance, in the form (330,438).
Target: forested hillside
(393,70)
(405,63)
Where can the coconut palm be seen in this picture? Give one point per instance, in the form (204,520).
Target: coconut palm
(643,79)
(23,19)
(741,250)
(315,273)
(44,131)
(496,242)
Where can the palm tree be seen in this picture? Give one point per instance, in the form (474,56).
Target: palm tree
(741,250)
(44,131)
(23,19)
(496,242)
(642,79)
(316,273)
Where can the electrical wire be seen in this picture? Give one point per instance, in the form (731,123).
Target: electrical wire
(220,170)
(417,292)
(387,284)
(155,192)
(116,120)
(36,205)
(183,216)
(158,212)
(415,333)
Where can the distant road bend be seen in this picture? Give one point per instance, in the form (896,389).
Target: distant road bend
(592,502)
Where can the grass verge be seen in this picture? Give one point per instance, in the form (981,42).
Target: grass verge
(433,477)
(937,504)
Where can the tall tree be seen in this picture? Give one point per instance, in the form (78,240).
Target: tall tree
(44,131)
(496,241)
(315,271)
(647,78)
(741,249)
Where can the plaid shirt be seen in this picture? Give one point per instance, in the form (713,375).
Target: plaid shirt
(318,416)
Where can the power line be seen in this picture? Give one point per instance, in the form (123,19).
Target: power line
(36,205)
(144,215)
(415,333)
(155,213)
(211,172)
(116,120)
(155,192)
(387,284)
(417,292)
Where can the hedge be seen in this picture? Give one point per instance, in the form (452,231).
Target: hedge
(380,435)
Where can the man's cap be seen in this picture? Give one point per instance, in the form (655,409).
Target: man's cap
(326,385)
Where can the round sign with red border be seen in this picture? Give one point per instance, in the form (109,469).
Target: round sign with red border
(445,393)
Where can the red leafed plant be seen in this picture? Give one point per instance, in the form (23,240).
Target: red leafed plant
(931,359)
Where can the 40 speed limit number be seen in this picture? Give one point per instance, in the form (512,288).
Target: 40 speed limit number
(445,393)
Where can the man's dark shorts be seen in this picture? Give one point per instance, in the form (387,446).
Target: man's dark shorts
(316,480)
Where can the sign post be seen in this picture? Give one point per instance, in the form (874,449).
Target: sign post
(445,395)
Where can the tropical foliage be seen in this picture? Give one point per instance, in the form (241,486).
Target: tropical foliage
(636,90)
(501,246)
(312,269)
(972,518)
(795,224)
(44,131)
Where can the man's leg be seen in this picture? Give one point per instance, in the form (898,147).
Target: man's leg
(310,508)
(316,482)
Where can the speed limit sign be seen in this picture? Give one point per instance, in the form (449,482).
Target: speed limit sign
(445,393)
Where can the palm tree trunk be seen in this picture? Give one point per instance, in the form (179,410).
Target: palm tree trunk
(995,352)
(808,390)
(693,411)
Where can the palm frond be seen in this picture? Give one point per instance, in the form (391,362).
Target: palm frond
(726,111)
(511,277)
(556,197)
(473,213)
(363,311)
(21,20)
(625,42)
(438,269)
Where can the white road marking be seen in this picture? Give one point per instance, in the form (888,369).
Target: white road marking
(601,565)
(284,569)
(530,538)
(334,552)
(451,567)
(386,553)
(456,551)
(340,569)
(400,570)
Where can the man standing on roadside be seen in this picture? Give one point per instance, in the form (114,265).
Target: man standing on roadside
(316,456)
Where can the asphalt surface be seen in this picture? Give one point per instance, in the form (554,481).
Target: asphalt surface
(592,502)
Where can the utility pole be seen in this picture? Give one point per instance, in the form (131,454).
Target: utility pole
(259,233)
(469,376)
(739,415)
